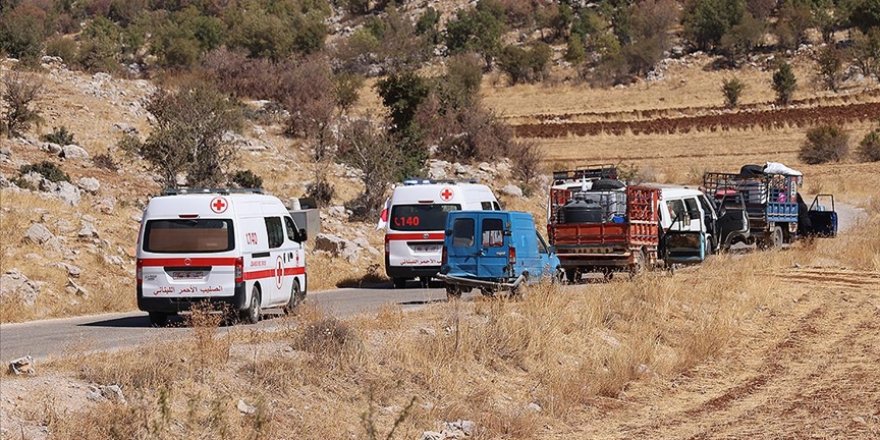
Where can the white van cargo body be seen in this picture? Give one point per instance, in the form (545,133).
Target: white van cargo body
(415,218)
(241,252)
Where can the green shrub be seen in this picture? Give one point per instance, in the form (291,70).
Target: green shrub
(23,30)
(59,135)
(795,18)
(101,46)
(63,48)
(19,94)
(476,30)
(347,87)
(742,38)
(47,169)
(575,52)
(428,25)
(866,52)
(402,94)
(825,143)
(246,179)
(732,89)
(525,65)
(105,161)
(869,148)
(706,21)
(865,14)
(784,83)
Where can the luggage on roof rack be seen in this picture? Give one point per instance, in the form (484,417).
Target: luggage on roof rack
(604,171)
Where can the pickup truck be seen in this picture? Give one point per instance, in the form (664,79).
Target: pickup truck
(598,225)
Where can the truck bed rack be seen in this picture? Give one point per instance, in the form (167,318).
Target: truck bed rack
(603,171)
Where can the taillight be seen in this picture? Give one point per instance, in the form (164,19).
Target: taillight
(444,258)
(387,241)
(139,271)
(511,255)
(239,270)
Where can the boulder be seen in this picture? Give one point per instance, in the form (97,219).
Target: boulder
(22,365)
(512,190)
(38,233)
(51,148)
(67,192)
(337,246)
(245,408)
(87,231)
(126,128)
(14,285)
(112,393)
(74,152)
(75,289)
(5,151)
(89,184)
(106,205)
(31,180)
(72,271)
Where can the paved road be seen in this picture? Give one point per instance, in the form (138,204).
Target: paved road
(55,337)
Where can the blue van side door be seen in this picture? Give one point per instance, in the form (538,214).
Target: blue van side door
(462,246)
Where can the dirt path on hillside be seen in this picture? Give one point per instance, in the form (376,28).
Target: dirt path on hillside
(808,370)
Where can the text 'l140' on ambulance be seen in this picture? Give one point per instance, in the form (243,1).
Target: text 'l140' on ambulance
(414,219)
(239,252)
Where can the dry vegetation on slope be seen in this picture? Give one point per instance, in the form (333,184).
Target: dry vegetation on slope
(761,345)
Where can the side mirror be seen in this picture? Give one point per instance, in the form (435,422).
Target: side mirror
(301,235)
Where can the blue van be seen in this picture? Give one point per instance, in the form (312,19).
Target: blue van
(492,251)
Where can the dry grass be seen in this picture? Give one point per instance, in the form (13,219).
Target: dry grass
(486,360)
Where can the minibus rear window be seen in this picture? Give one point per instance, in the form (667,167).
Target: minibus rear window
(189,236)
(427,217)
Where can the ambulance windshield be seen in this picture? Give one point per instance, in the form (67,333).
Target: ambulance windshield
(189,236)
(422,217)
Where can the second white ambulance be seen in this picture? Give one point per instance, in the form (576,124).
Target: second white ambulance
(238,251)
(414,220)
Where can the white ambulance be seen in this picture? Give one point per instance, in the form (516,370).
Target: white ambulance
(414,220)
(238,251)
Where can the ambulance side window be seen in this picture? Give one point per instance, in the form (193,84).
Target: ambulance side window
(487,206)
(291,228)
(497,206)
(274,231)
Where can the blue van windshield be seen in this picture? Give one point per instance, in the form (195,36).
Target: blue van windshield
(427,217)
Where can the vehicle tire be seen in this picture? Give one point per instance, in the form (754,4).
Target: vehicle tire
(297,296)
(777,237)
(158,319)
(572,275)
(251,315)
(710,246)
(453,293)
(559,277)
(425,282)
(638,265)
(399,283)
(487,292)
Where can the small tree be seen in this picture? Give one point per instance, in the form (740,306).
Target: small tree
(825,143)
(371,150)
(346,86)
(19,96)
(22,30)
(527,158)
(866,52)
(869,148)
(525,65)
(59,135)
(784,83)
(246,179)
(575,53)
(829,67)
(732,89)
(188,134)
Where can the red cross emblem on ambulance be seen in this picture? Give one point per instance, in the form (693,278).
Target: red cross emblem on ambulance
(219,205)
(446,194)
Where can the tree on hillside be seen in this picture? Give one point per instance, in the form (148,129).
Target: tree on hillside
(732,89)
(368,148)
(706,21)
(402,94)
(829,67)
(784,83)
(866,52)
(187,134)
(865,14)
(18,97)
(23,30)
(476,30)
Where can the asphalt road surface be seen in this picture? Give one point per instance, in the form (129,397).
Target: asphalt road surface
(59,337)
(66,336)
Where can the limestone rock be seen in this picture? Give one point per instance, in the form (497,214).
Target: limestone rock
(73,151)
(89,184)
(22,365)
(16,286)
(512,190)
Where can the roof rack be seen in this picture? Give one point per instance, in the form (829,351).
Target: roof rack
(221,191)
(604,171)
(418,181)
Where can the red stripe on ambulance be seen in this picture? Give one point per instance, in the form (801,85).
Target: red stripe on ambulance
(270,273)
(184,262)
(418,236)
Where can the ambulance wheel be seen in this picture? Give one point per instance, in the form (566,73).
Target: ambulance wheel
(158,319)
(571,275)
(251,315)
(425,282)
(399,283)
(297,296)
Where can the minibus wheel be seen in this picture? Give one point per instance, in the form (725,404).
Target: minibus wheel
(251,315)
(399,283)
